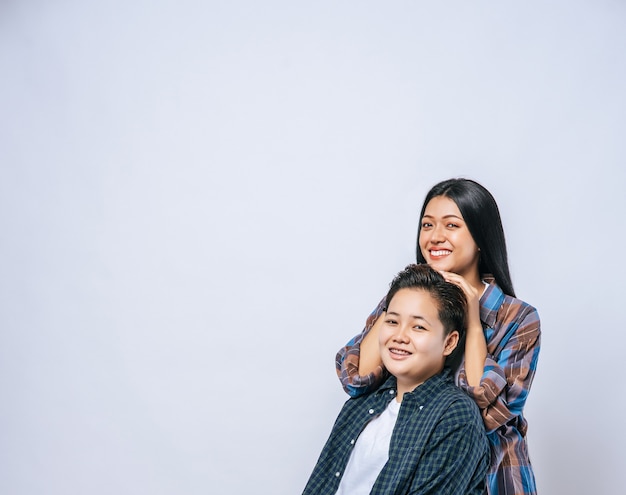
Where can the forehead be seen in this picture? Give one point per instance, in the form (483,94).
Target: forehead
(414,302)
(441,206)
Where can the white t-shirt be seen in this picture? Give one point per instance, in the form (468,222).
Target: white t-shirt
(370,453)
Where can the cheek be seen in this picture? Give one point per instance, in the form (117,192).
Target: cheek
(383,336)
(428,346)
(422,344)
(468,241)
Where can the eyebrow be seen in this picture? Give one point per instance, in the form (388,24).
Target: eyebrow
(445,216)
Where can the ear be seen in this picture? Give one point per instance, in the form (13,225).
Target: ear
(451,341)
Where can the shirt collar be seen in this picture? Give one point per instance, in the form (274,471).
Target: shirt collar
(423,391)
(490,302)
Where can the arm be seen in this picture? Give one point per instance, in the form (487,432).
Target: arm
(507,376)
(358,363)
(475,342)
(370,359)
(475,351)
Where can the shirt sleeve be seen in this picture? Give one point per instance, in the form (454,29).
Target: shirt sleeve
(507,377)
(347,361)
(456,460)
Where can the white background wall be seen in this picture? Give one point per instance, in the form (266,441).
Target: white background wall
(201,201)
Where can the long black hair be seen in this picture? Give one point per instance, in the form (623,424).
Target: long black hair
(482,216)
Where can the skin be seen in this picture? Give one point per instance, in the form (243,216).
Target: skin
(447,246)
(413,344)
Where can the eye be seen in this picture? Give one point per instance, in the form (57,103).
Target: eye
(426,225)
(391,321)
(419,327)
(452,226)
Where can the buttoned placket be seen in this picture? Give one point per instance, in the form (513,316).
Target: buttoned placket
(371,411)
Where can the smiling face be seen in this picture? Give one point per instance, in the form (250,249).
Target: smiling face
(412,339)
(445,241)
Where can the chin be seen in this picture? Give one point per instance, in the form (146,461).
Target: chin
(442,265)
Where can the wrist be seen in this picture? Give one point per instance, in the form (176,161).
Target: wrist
(474,329)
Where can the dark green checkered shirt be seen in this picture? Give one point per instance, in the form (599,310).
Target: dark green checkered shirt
(438,445)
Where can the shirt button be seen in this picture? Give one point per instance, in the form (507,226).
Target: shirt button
(337,474)
(371,411)
(392,391)
(352,442)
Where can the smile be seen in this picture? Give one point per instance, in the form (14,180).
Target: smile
(399,352)
(441,252)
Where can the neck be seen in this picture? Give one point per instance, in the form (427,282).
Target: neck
(476,281)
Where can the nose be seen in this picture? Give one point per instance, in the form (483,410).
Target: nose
(401,334)
(437,234)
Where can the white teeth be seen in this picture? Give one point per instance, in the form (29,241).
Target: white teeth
(399,351)
(441,252)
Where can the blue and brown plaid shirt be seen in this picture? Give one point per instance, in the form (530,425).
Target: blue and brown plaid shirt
(438,445)
(513,334)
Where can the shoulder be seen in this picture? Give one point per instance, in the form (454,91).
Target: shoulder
(462,407)
(453,405)
(454,412)
(499,309)
(520,315)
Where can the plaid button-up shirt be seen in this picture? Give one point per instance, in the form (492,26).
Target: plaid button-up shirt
(512,331)
(438,444)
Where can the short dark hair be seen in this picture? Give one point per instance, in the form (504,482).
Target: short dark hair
(482,216)
(450,300)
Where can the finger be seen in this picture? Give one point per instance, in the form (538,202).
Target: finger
(453,278)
